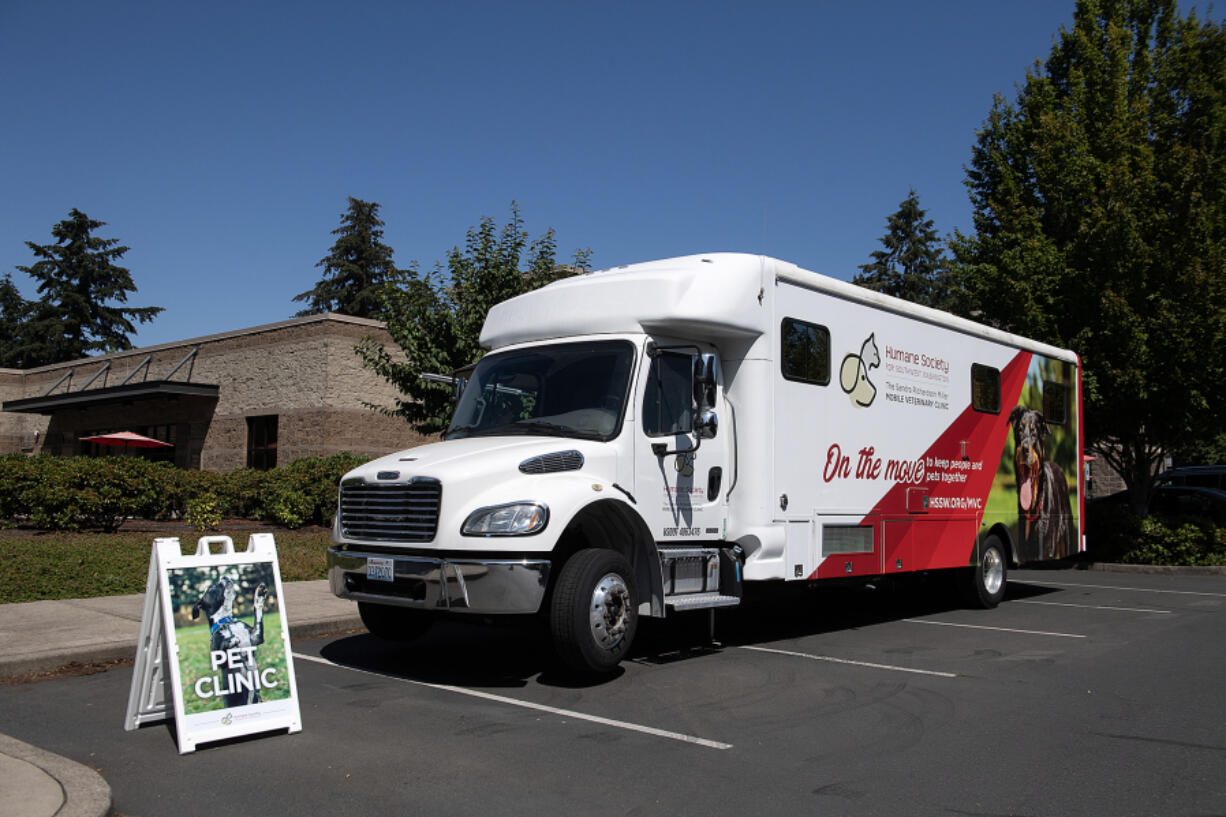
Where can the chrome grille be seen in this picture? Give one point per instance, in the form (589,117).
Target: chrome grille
(391,512)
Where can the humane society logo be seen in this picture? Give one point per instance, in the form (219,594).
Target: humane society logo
(853,376)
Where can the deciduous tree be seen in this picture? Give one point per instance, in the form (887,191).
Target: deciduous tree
(1099,201)
(436,319)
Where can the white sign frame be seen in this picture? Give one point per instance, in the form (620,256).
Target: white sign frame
(169,653)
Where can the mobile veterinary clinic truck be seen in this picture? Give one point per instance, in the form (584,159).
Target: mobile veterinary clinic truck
(647,439)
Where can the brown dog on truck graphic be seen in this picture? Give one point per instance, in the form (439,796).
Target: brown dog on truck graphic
(1044,524)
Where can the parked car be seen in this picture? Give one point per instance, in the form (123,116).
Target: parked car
(1189,500)
(1203,476)
(1171,500)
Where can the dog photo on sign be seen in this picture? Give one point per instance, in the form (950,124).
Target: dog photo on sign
(228,633)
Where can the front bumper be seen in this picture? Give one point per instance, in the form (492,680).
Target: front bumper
(499,586)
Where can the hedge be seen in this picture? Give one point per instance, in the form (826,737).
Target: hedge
(1115,534)
(80,493)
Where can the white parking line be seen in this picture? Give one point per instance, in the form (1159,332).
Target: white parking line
(998,629)
(1132,589)
(1092,606)
(848,661)
(565,713)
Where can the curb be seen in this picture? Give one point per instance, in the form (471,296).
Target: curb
(104,654)
(85,793)
(1157,570)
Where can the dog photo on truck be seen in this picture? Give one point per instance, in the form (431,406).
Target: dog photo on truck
(1037,476)
(228,630)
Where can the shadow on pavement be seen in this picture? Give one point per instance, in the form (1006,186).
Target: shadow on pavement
(513,653)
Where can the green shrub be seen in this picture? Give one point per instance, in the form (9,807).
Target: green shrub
(82,492)
(203,512)
(243,493)
(18,476)
(305,490)
(1115,534)
(59,493)
(1179,541)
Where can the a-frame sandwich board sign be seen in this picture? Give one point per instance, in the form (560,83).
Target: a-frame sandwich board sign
(214,647)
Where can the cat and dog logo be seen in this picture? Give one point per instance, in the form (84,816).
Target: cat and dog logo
(853,374)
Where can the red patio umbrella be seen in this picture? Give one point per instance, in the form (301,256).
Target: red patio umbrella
(126,439)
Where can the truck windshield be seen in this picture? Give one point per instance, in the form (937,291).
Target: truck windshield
(562,390)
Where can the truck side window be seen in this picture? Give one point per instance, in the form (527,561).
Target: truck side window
(805,356)
(1055,403)
(985,388)
(668,400)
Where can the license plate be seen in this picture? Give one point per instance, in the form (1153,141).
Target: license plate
(380,570)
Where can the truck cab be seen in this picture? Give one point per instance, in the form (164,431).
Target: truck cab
(585,477)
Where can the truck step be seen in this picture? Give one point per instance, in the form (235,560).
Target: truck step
(701,601)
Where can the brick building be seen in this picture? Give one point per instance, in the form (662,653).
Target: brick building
(253,397)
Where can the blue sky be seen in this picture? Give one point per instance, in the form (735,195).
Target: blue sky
(219,140)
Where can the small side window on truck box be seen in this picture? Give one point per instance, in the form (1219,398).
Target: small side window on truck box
(805,356)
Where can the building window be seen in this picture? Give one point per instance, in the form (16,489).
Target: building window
(806,352)
(985,388)
(163,433)
(262,442)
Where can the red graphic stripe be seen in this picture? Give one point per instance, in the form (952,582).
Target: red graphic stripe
(943,536)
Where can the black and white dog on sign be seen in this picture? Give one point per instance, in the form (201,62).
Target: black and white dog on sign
(233,638)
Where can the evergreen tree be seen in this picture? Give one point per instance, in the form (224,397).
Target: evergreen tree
(78,280)
(436,319)
(1100,216)
(356,269)
(14,311)
(912,266)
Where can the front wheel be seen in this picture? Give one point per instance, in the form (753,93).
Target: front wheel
(594,612)
(984,584)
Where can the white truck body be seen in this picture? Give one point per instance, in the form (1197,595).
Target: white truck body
(717,419)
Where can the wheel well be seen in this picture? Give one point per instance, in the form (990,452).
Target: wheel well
(613,525)
(1006,538)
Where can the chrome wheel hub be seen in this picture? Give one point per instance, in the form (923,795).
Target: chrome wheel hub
(993,571)
(608,612)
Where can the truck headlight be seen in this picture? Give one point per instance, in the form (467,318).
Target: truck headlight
(514,519)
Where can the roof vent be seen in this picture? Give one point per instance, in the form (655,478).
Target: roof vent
(553,463)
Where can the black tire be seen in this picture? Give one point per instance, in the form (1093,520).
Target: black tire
(394,623)
(984,584)
(593,615)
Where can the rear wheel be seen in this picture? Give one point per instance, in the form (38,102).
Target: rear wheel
(594,612)
(394,623)
(984,584)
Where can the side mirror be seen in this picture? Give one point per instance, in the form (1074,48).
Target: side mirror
(707,425)
(704,382)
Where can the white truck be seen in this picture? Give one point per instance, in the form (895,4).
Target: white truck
(649,438)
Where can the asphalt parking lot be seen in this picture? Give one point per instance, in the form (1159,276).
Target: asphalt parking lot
(1083,693)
